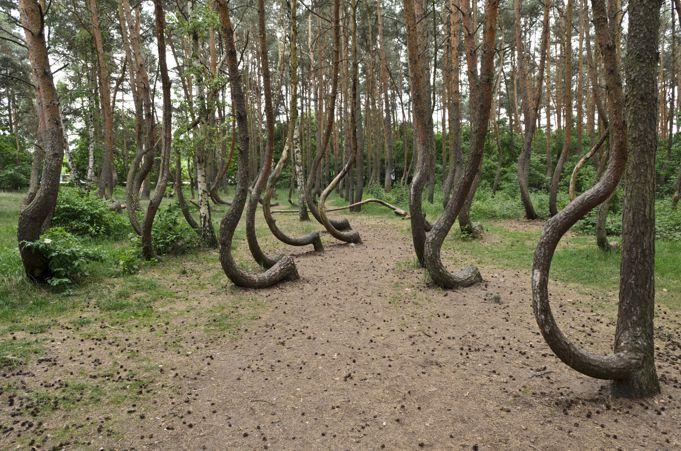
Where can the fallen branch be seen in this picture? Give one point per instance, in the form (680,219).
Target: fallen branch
(397,210)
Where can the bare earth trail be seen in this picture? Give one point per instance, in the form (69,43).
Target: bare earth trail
(362,353)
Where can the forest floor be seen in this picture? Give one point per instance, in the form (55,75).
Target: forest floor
(361,352)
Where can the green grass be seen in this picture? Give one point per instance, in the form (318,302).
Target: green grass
(580,262)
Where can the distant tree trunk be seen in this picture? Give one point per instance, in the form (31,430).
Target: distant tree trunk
(631,366)
(106,178)
(567,103)
(349,236)
(342,224)
(291,142)
(144,116)
(285,268)
(531,101)
(164,169)
(39,204)
(387,118)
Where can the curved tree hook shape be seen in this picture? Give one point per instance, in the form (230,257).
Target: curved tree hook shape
(312,237)
(481,93)
(284,268)
(630,356)
(338,224)
(256,190)
(347,236)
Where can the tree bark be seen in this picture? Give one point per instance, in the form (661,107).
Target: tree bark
(419,84)
(567,104)
(164,169)
(635,332)
(106,178)
(481,85)
(291,142)
(387,118)
(39,205)
(631,362)
(531,101)
(285,268)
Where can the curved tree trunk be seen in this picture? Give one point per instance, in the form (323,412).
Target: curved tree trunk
(284,268)
(164,169)
(481,102)
(312,237)
(631,365)
(419,83)
(338,224)
(39,205)
(455,152)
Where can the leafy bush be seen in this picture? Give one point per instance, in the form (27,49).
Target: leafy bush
(87,215)
(127,260)
(398,195)
(65,254)
(667,221)
(16,165)
(15,178)
(171,234)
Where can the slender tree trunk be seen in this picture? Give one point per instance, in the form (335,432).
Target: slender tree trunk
(39,205)
(285,268)
(567,103)
(106,178)
(164,169)
(387,118)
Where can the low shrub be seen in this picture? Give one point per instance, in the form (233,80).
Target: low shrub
(171,234)
(84,214)
(66,255)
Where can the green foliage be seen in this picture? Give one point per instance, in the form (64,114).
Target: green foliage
(15,166)
(65,254)
(84,214)
(171,234)
(667,221)
(398,195)
(127,260)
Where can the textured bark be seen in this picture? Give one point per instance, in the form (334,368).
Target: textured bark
(531,100)
(387,118)
(347,236)
(419,84)
(481,86)
(106,177)
(285,268)
(338,224)
(201,151)
(632,360)
(635,332)
(144,116)
(312,237)
(164,169)
(39,205)
(454,137)
(266,165)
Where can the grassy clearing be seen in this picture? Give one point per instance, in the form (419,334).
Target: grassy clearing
(577,260)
